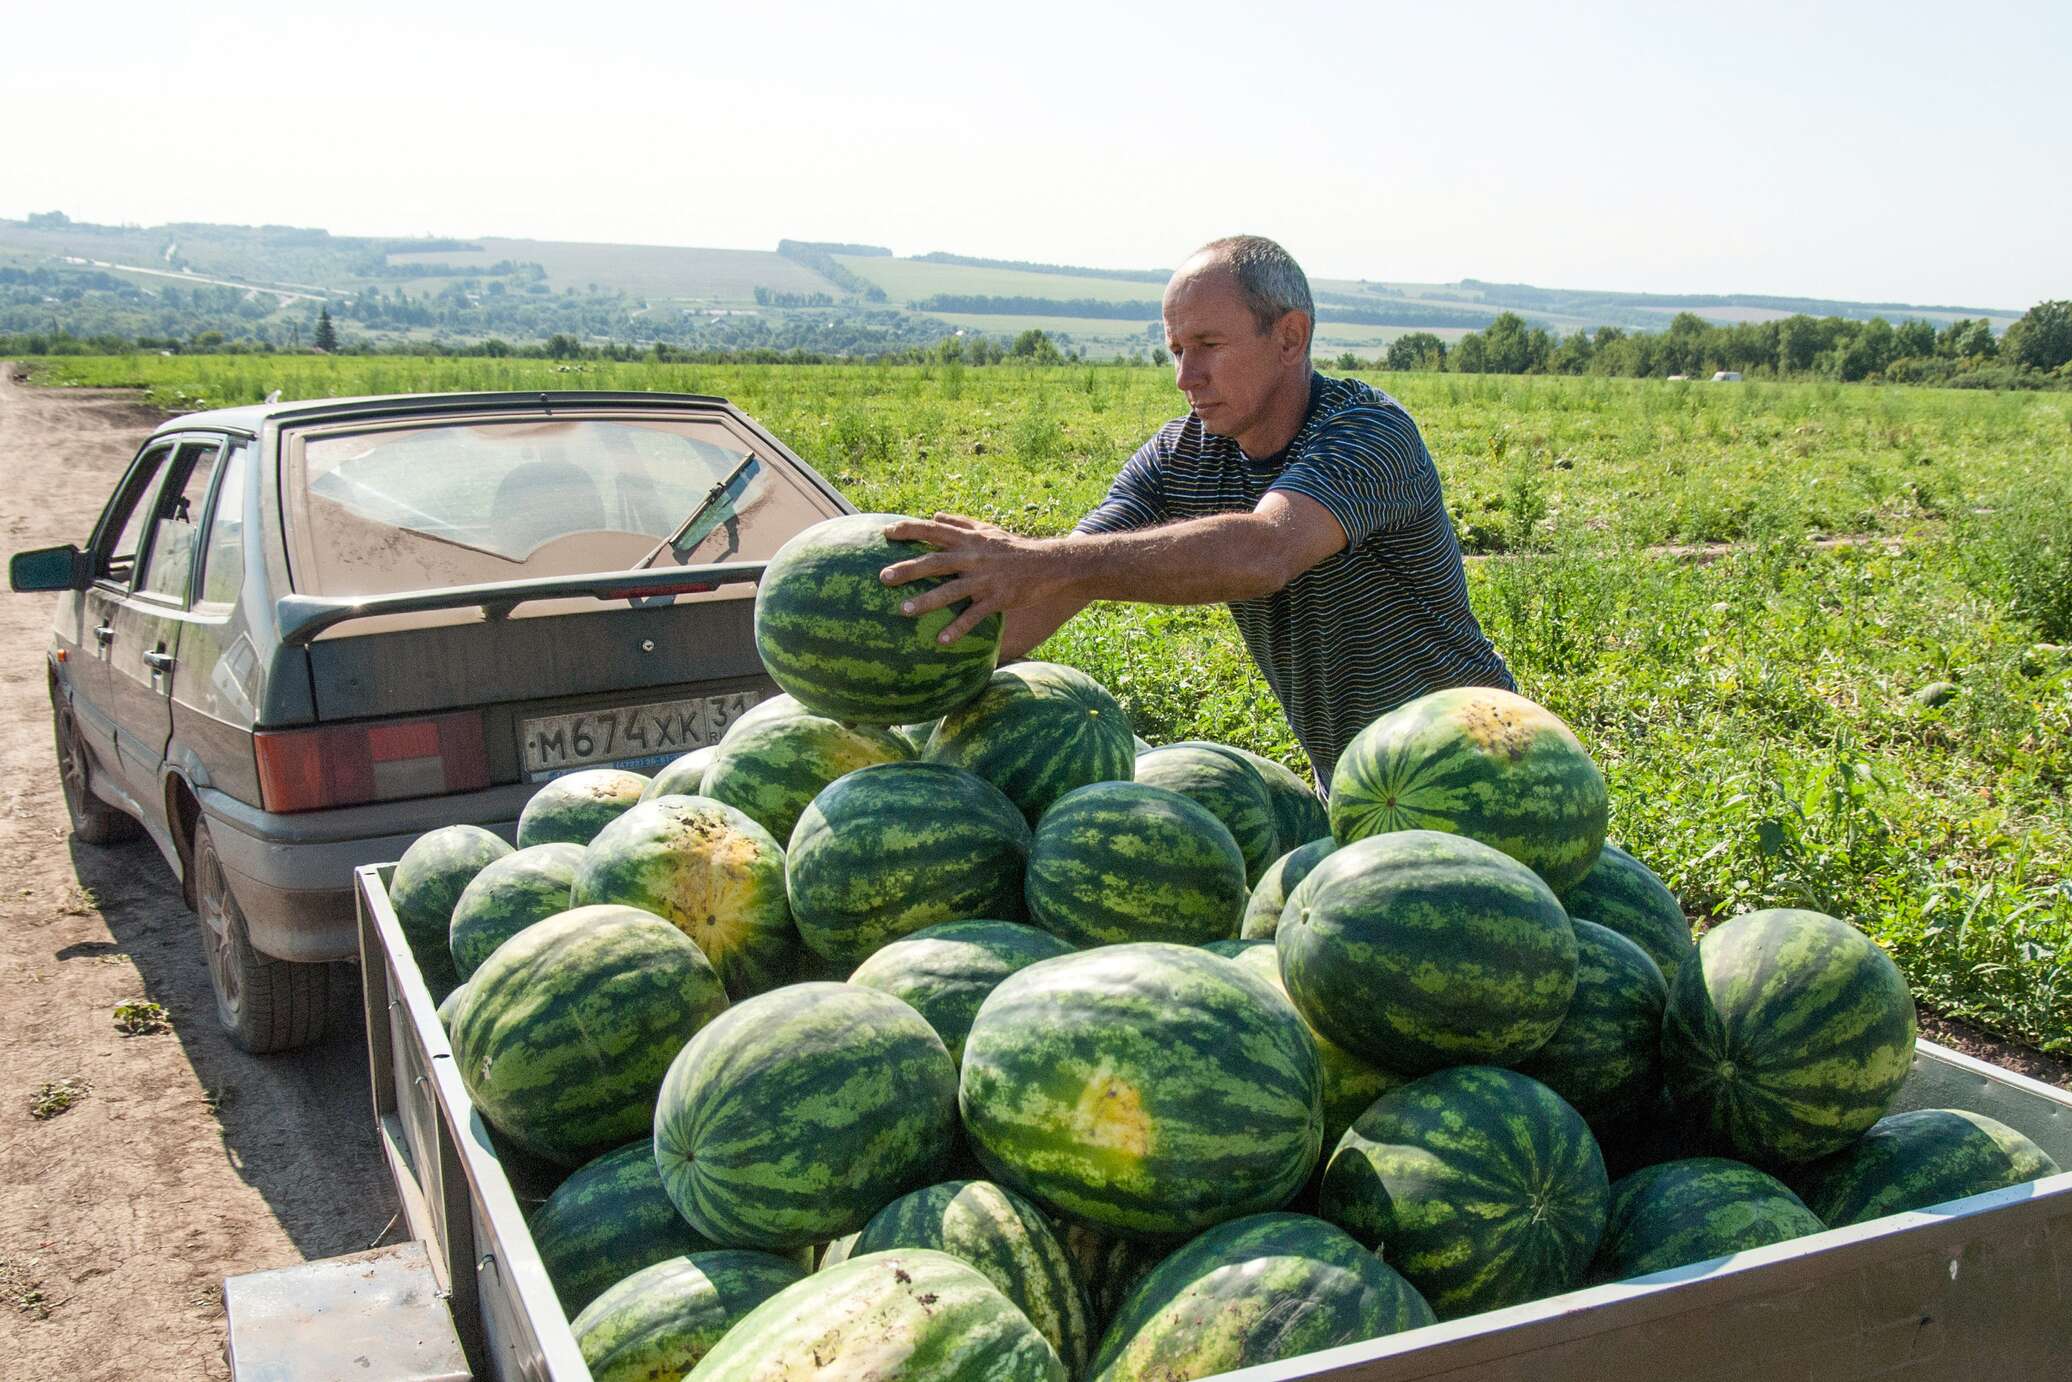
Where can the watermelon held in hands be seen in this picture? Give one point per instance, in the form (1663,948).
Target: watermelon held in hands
(1621,892)
(608,1220)
(1916,1159)
(1681,1212)
(428,881)
(772,769)
(572,809)
(1217,779)
(1121,861)
(1037,731)
(660,1321)
(944,972)
(510,894)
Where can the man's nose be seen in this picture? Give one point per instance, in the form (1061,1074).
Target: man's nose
(1188,372)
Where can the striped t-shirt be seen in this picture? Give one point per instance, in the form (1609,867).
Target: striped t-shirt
(1380,622)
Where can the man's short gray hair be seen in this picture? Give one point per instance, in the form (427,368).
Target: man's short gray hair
(1269,280)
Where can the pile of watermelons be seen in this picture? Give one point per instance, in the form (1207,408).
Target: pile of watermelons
(931,1025)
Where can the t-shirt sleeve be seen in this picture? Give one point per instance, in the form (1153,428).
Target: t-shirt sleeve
(1369,468)
(1135,500)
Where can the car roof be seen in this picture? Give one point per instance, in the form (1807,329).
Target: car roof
(250,418)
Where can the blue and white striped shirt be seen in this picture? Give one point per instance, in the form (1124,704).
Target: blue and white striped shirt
(1380,622)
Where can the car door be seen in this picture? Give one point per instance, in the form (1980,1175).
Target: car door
(117,542)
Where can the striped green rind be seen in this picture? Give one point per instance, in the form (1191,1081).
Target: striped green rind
(1786,1036)
(1606,1056)
(428,881)
(896,847)
(1694,1210)
(1218,779)
(659,1322)
(709,870)
(608,1220)
(768,708)
(1913,1160)
(1418,950)
(1255,1290)
(1150,1090)
(1122,861)
(1621,892)
(773,768)
(1478,762)
(569,1027)
(1269,899)
(572,809)
(944,972)
(1298,813)
(1007,1239)
(796,1115)
(1478,1184)
(683,777)
(510,894)
(449,1005)
(913,1314)
(1037,731)
(830,632)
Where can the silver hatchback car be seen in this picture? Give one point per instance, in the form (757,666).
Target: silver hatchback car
(303,634)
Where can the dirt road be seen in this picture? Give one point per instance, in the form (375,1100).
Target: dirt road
(186,1160)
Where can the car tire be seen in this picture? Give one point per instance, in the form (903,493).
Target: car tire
(93,821)
(265,1004)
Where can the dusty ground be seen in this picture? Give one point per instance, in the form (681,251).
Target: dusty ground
(186,1160)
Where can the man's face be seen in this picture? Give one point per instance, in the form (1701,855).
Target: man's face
(1228,368)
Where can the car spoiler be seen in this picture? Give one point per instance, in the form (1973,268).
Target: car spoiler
(300,618)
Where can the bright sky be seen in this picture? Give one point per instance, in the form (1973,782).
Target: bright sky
(1911,152)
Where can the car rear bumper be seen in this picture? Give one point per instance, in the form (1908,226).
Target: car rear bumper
(292,874)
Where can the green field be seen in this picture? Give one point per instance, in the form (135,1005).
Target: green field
(647,271)
(909,280)
(1755,713)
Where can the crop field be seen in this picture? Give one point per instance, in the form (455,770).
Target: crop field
(1742,598)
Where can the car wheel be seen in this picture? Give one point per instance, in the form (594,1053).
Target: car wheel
(265,1004)
(93,821)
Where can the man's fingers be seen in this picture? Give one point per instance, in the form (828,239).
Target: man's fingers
(936,597)
(958,520)
(924,530)
(913,568)
(967,621)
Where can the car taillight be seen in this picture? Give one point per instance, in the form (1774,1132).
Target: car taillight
(348,765)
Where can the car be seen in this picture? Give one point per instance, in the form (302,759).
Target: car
(303,634)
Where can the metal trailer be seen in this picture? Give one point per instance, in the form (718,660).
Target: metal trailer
(1977,1288)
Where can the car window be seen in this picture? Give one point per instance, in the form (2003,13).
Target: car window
(130,518)
(169,551)
(223,559)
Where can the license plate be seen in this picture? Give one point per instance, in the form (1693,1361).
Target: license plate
(640,737)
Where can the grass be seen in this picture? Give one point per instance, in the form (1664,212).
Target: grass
(23,1290)
(54,1097)
(141,1017)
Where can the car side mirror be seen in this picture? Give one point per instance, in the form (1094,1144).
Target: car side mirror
(49,568)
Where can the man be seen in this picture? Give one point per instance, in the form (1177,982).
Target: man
(1309,505)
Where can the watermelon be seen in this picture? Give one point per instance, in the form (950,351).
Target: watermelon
(684,777)
(796,1115)
(1216,778)
(1147,1089)
(449,1005)
(913,1314)
(608,1220)
(1913,1160)
(1787,1036)
(569,1027)
(1263,910)
(944,972)
(896,847)
(831,633)
(709,870)
(1007,1239)
(773,768)
(1121,861)
(1110,1266)
(1418,949)
(574,808)
(1478,762)
(510,894)
(1681,1212)
(1256,1290)
(1478,1184)
(1036,732)
(769,708)
(428,881)
(1621,893)
(1606,1056)
(1298,813)
(660,1321)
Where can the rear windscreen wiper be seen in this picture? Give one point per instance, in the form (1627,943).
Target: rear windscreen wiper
(690,532)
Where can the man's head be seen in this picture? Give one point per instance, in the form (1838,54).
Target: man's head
(1238,318)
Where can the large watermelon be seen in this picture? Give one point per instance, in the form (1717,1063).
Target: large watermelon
(1269,899)
(510,894)
(1216,778)
(773,768)
(1694,1210)
(896,847)
(683,777)
(1120,861)
(1913,1160)
(712,872)
(832,634)
(1419,950)
(1036,732)
(1477,762)
(913,1314)
(944,972)
(572,809)
(1255,1290)
(1007,1239)
(1298,813)
(1620,892)
(608,1220)
(797,1114)
(428,881)
(569,1027)
(660,1321)
(1149,1089)
(1787,1036)
(1606,1056)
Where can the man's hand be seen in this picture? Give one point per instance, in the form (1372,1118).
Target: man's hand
(992,568)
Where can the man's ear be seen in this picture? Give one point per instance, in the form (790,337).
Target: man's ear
(1293,335)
